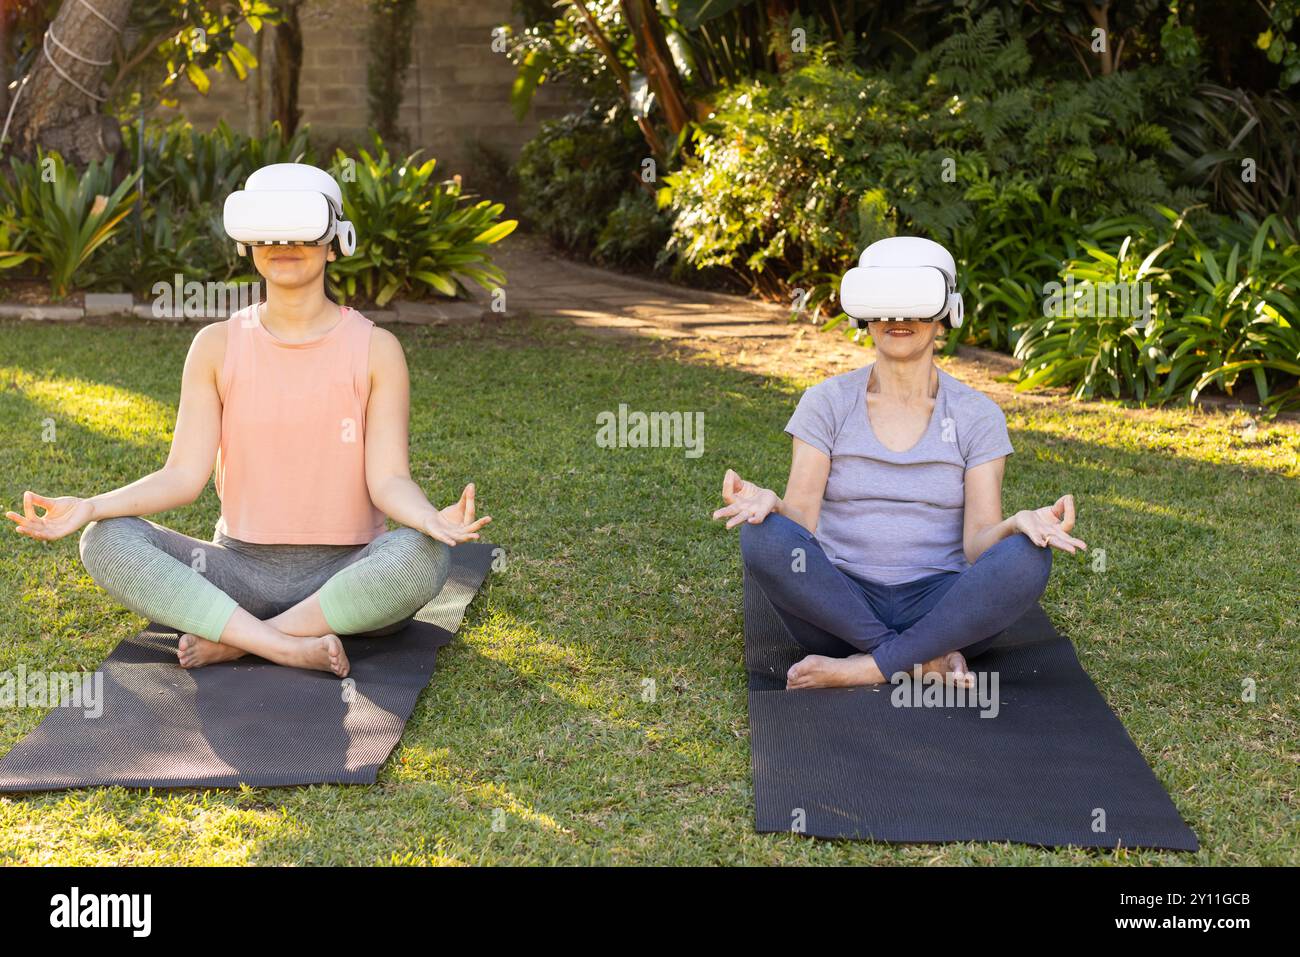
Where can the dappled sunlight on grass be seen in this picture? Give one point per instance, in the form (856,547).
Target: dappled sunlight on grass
(112,412)
(1213,439)
(611,696)
(118,826)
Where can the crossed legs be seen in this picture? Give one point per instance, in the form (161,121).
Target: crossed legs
(229,601)
(845,625)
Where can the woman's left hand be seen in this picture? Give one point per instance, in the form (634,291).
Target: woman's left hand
(456,523)
(1051,525)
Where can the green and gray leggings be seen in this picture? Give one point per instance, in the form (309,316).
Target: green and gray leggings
(195,586)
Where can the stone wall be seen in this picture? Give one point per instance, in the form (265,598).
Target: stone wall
(457,89)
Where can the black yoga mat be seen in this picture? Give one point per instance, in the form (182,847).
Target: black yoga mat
(245,721)
(849,763)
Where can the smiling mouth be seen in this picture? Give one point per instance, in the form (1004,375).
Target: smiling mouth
(898,332)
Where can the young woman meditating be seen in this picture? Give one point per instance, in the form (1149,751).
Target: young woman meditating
(889,549)
(303,405)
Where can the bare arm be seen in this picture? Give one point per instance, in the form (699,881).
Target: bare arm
(388,467)
(195,439)
(181,479)
(983,525)
(747,502)
(809,469)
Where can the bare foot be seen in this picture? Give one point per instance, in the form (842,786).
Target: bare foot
(321,654)
(953,667)
(195,652)
(819,671)
(324,653)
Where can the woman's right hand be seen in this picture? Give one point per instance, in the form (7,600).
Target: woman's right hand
(63,516)
(746,502)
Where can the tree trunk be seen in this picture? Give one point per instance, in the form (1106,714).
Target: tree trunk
(288,68)
(656,61)
(1100,14)
(4,61)
(51,111)
(615,66)
(778,16)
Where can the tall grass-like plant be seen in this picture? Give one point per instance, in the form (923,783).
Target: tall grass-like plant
(1005,256)
(10,256)
(416,234)
(62,217)
(1243,147)
(172,240)
(1219,310)
(188,174)
(1083,340)
(188,169)
(1237,308)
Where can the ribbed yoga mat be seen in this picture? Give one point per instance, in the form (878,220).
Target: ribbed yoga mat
(1052,767)
(245,721)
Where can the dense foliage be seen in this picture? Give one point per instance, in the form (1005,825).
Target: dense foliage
(419,235)
(1004,131)
(585,183)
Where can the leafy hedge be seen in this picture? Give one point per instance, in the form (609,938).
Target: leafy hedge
(1217,311)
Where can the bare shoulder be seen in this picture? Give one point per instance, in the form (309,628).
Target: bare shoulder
(387,357)
(208,350)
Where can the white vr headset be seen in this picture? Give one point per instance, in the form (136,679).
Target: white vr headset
(900,278)
(288,204)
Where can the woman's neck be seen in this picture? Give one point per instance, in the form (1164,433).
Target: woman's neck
(906,380)
(296,315)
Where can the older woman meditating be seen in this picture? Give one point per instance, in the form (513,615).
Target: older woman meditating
(889,550)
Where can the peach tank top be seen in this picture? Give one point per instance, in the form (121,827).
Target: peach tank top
(291,468)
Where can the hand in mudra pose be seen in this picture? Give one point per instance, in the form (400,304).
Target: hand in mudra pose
(63,516)
(745,501)
(1050,526)
(456,523)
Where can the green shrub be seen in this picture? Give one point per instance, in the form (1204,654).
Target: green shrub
(192,242)
(1217,310)
(62,218)
(1088,343)
(574,176)
(1243,147)
(634,234)
(189,169)
(416,234)
(187,175)
(10,255)
(1237,302)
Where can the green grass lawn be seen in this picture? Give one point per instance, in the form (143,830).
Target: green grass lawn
(535,719)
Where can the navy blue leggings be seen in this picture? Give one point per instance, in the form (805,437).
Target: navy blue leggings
(831,612)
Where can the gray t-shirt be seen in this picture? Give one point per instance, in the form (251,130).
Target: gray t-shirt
(893,517)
